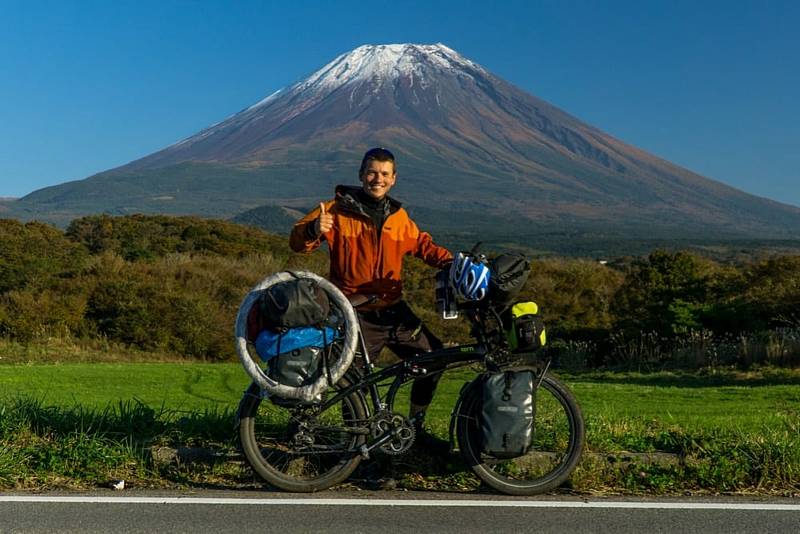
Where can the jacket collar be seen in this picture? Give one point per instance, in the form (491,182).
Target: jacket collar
(347,199)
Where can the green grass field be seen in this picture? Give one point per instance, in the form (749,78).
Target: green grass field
(690,402)
(176,386)
(737,432)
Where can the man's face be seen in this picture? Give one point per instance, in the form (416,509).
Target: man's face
(378,178)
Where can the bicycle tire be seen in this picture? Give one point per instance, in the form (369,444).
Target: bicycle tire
(556,442)
(266,431)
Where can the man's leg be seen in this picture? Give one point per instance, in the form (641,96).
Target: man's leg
(411,343)
(409,338)
(422,391)
(404,333)
(375,336)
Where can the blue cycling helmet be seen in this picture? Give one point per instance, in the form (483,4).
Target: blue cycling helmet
(469,277)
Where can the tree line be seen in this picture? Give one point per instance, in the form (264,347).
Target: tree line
(174,284)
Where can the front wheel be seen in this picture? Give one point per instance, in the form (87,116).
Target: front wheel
(296,449)
(555,446)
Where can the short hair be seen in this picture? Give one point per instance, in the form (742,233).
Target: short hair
(377,154)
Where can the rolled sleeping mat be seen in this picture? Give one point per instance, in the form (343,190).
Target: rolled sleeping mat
(309,392)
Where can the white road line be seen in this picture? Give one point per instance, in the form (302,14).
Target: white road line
(403,502)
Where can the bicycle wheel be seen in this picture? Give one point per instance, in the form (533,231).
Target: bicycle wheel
(301,452)
(555,447)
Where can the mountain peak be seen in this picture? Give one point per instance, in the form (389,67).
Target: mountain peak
(381,62)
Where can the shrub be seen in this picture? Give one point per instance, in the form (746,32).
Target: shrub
(664,293)
(33,254)
(28,314)
(146,237)
(574,295)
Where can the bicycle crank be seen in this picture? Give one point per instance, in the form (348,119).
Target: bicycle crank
(393,434)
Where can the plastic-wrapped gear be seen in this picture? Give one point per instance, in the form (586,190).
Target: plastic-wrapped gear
(310,392)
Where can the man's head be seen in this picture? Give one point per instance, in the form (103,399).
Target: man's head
(378,172)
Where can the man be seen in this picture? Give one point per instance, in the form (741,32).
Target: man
(368,233)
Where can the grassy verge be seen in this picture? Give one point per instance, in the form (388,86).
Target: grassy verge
(83,425)
(46,446)
(731,431)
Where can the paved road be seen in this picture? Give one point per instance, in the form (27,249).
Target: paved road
(387,512)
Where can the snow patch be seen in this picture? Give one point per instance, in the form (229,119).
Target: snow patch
(264,101)
(380,63)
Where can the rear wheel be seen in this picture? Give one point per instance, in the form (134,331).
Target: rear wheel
(555,446)
(295,449)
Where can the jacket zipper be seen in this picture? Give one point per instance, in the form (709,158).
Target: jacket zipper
(378,241)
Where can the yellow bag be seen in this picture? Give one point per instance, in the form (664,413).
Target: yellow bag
(527,330)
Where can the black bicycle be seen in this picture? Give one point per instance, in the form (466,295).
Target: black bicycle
(311,446)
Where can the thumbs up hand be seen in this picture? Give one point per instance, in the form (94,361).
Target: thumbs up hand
(324,222)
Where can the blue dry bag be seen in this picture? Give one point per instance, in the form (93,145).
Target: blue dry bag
(269,342)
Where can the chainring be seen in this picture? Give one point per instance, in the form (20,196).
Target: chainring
(402,440)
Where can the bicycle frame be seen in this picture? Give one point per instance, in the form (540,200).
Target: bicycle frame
(416,367)
(407,371)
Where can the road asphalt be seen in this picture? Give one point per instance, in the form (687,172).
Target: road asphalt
(387,511)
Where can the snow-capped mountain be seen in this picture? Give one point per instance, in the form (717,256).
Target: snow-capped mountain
(467,142)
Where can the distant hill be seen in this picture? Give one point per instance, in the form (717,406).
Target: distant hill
(276,219)
(477,158)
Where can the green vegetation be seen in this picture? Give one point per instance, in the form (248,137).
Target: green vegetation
(695,402)
(153,283)
(79,425)
(45,446)
(185,387)
(173,284)
(155,297)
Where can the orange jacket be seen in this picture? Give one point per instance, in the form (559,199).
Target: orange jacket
(361,261)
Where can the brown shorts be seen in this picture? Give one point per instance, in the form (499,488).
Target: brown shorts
(397,328)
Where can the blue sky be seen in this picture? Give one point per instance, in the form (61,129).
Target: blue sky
(89,85)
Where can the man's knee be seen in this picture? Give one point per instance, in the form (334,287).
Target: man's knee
(423,389)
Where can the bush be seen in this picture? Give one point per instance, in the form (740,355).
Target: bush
(34,254)
(665,293)
(181,305)
(146,237)
(574,295)
(28,314)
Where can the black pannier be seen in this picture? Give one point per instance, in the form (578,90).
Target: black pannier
(509,273)
(507,413)
(529,333)
(297,367)
(293,303)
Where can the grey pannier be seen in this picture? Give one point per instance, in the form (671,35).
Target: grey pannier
(507,413)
